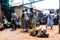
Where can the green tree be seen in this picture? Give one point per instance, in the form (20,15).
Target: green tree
(6,9)
(11,1)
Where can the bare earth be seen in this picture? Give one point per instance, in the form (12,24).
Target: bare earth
(18,35)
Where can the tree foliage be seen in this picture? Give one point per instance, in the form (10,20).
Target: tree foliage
(6,9)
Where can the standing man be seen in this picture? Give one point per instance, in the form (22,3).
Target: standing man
(26,21)
(13,21)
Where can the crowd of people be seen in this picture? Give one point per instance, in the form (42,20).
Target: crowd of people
(29,21)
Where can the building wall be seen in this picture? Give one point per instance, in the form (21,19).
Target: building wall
(18,10)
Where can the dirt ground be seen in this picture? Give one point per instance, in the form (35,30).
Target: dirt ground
(19,35)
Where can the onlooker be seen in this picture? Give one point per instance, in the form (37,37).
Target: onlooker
(26,21)
(13,21)
(5,22)
(50,21)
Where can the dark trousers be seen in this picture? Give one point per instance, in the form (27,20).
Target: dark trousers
(26,25)
(13,26)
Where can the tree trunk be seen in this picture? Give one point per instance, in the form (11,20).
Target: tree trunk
(59,22)
(59,16)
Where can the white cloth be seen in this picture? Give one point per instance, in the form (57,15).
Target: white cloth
(1,25)
(5,21)
(26,17)
(50,21)
(43,29)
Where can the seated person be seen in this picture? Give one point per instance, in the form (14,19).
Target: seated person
(39,32)
(6,24)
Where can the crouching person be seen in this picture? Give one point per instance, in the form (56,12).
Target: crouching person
(39,32)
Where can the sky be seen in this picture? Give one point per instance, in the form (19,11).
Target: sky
(46,4)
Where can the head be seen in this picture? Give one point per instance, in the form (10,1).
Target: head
(26,10)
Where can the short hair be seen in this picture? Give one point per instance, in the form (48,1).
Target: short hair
(25,9)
